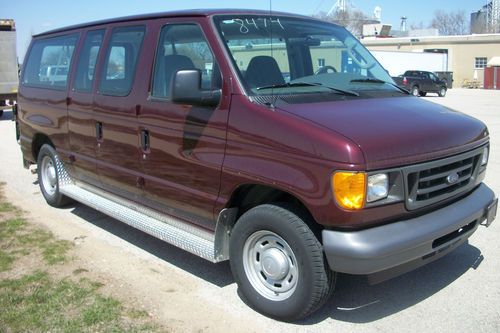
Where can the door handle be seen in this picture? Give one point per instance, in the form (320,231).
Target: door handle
(98,131)
(145,141)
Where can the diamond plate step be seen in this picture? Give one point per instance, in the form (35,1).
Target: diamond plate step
(171,230)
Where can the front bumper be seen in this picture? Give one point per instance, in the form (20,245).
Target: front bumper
(401,246)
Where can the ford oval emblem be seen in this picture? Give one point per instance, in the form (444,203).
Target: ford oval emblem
(452,178)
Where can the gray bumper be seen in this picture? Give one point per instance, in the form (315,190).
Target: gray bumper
(405,245)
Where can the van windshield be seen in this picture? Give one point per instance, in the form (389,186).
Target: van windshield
(275,55)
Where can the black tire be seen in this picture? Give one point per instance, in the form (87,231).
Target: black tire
(422,94)
(283,236)
(2,103)
(415,91)
(442,92)
(48,177)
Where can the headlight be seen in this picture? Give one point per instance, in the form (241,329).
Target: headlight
(349,189)
(378,187)
(484,159)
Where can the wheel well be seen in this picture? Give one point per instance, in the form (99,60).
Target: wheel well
(38,141)
(247,197)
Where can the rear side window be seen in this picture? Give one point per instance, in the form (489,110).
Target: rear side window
(49,62)
(121,61)
(86,64)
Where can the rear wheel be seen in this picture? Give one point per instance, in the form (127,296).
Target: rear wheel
(48,177)
(442,92)
(415,91)
(279,264)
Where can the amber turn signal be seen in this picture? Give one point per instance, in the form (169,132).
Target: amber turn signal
(349,189)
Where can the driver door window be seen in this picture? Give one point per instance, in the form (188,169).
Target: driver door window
(183,47)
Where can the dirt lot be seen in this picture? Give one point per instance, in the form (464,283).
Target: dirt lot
(460,292)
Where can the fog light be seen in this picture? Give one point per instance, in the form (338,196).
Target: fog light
(349,189)
(378,187)
(484,158)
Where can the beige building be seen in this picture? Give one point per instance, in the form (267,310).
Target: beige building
(467,55)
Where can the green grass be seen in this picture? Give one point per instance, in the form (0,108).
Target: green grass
(6,207)
(38,301)
(6,261)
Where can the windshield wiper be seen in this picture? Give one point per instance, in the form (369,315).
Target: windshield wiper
(371,80)
(309,84)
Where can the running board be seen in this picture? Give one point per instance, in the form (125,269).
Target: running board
(167,228)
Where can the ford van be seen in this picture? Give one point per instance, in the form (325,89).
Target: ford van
(271,140)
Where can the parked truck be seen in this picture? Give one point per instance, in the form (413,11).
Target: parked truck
(419,83)
(9,74)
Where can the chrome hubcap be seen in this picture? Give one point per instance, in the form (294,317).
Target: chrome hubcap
(49,177)
(270,265)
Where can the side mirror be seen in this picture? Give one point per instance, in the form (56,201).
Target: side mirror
(186,89)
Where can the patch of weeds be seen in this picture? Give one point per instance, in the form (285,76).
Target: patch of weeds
(37,302)
(6,207)
(92,284)
(11,227)
(137,314)
(6,261)
(55,252)
(25,239)
(103,309)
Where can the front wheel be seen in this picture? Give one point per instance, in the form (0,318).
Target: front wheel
(48,177)
(278,263)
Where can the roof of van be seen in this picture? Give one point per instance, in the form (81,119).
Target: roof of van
(181,13)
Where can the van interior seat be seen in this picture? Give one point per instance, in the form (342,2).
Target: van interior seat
(263,71)
(168,67)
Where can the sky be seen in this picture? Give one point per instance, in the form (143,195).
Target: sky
(35,16)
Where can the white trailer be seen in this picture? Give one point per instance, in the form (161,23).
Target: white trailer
(399,62)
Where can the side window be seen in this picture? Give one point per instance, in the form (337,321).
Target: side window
(183,47)
(49,62)
(88,58)
(121,61)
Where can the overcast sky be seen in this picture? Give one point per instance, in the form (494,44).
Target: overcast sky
(35,16)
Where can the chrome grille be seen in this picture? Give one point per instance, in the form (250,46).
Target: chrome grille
(432,182)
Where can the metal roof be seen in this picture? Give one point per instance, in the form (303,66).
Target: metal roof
(181,13)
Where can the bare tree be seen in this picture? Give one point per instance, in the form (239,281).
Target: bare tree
(417,26)
(450,23)
(351,19)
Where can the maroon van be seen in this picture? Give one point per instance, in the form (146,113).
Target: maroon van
(276,141)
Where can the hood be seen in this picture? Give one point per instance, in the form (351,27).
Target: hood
(396,131)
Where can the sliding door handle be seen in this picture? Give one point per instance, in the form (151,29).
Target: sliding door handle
(98,131)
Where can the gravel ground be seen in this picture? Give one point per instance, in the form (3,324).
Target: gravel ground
(460,292)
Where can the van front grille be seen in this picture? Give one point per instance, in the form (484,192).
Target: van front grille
(432,182)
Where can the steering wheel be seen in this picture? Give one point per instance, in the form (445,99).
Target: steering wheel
(325,69)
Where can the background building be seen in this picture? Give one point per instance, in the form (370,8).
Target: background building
(467,56)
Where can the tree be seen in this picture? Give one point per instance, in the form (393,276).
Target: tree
(351,19)
(450,23)
(417,26)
